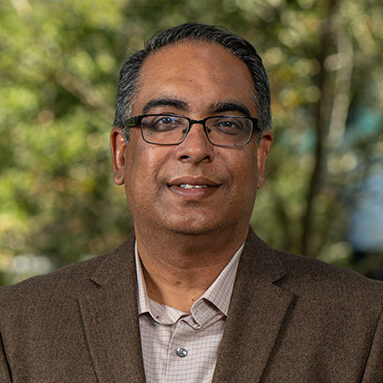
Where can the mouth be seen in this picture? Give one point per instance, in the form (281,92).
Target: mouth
(193,187)
(188,186)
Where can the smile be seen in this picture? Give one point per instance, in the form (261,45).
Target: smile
(188,186)
(193,188)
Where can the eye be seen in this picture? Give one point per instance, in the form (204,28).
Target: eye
(165,123)
(228,125)
(165,120)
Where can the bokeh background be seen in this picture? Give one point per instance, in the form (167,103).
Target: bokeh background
(59,67)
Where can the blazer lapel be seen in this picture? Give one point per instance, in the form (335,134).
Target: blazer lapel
(257,311)
(110,317)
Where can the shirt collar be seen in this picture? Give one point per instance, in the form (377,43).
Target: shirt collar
(219,292)
(143,299)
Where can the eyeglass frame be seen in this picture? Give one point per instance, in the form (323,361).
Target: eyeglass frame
(135,122)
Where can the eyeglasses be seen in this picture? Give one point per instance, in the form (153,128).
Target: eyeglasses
(170,129)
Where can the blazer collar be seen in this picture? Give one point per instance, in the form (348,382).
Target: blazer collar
(257,311)
(109,313)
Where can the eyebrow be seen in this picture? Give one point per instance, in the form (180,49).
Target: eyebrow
(219,107)
(165,101)
(222,107)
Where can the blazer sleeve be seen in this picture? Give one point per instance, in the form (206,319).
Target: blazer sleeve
(5,373)
(373,372)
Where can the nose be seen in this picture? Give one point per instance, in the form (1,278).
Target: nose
(196,147)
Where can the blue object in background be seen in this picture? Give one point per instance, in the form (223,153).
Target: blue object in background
(366,221)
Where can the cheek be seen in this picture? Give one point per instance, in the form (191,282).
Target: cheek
(143,169)
(246,168)
(249,185)
(242,166)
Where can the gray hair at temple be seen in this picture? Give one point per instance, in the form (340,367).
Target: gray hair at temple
(239,47)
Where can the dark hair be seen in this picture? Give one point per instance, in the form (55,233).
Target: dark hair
(194,32)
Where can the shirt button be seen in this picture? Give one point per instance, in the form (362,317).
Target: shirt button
(181,352)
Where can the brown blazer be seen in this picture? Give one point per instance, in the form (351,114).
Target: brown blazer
(291,319)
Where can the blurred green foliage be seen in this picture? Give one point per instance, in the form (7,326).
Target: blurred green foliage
(59,70)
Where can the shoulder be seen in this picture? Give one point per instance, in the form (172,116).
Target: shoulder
(56,292)
(63,285)
(321,318)
(311,278)
(73,276)
(316,278)
(325,300)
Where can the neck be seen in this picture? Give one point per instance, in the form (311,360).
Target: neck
(179,268)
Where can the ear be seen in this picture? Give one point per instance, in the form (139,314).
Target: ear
(118,147)
(263,152)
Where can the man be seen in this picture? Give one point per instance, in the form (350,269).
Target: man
(193,295)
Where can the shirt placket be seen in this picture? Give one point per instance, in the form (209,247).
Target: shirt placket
(180,355)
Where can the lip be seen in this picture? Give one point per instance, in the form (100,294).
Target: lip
(207,187)
(190,180)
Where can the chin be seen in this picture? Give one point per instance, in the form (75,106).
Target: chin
(194,231)
(196,228)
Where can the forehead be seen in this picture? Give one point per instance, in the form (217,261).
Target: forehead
(197,73)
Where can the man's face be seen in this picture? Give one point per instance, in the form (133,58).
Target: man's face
(196,80)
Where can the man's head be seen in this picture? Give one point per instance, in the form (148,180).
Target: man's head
(239,47)
(195,185)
